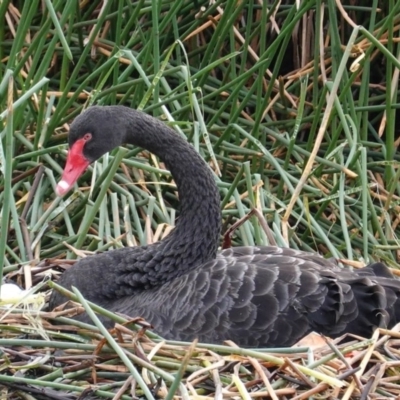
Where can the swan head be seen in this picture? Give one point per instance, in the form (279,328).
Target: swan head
(92,134)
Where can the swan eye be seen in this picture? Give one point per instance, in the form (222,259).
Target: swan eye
(87,137)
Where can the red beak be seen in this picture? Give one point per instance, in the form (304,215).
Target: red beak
(74,168)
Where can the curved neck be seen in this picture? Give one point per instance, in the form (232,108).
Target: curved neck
(195,238)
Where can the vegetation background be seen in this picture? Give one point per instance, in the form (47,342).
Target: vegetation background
(292,103)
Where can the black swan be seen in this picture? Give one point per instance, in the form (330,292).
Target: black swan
(255,296)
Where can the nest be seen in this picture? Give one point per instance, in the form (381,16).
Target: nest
(51,356)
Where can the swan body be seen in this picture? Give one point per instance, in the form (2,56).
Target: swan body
(259,296)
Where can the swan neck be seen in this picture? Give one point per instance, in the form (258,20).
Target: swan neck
(195,238)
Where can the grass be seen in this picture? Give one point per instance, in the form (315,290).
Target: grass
(294,107)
